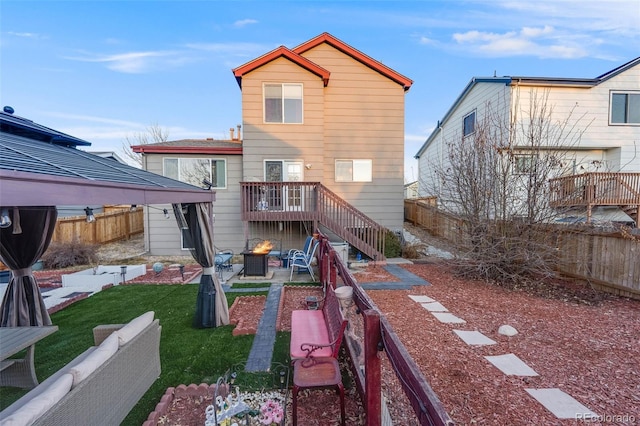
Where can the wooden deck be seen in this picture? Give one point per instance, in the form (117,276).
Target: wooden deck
(597,189)
(312,201)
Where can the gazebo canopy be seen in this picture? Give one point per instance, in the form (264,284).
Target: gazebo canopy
(43,167)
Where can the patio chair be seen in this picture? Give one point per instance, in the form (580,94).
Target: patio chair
(303,261)
(222,260)
(305,249)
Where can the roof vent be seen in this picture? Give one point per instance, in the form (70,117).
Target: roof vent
(8,109)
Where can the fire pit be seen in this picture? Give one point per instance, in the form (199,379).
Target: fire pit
(255,261)
(255,264)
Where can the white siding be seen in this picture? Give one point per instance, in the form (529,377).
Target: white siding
(481,97)
(602,146)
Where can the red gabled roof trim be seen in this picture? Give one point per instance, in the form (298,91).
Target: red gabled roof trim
(281,52)
(143,149)
(356,54)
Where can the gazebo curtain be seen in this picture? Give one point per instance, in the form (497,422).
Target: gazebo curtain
(212,309)
(21,246)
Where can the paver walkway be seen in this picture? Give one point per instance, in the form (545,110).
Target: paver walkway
(407,280)
(262,348)
(561,404)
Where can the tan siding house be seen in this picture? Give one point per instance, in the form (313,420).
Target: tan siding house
(331,119)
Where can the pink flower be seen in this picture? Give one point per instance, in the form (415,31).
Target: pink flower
(271,412)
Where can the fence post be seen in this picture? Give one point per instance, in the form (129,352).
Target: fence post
(332,269)
(373,395)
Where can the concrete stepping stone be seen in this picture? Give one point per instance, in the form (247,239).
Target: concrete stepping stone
(511,365)
(448,318)
(561,404)
(421,299)
(474,338)
(434,307)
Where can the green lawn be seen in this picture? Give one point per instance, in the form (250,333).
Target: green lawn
(188,355)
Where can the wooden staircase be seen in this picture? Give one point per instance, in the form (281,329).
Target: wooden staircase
(351,224)
(312,201)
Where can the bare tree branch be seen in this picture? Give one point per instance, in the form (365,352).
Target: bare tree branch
(497,180)
(153,134)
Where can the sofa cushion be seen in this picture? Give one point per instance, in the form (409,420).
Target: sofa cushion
(135,326)
(95,359)
(36,407)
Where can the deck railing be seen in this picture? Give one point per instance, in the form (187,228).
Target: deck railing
(596,189)
(312,201)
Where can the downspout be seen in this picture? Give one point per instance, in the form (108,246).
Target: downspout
(146,233)
(440,160)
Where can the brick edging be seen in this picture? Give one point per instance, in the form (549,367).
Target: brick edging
(171,393)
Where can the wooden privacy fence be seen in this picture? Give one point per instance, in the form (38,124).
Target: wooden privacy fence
(112,225)
(609,261)
(441,224)
(369,337)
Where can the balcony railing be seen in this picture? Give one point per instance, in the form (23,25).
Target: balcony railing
(312,201)
(596,189)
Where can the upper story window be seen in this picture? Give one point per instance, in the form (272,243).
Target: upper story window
(625,108)
(354,170)
(282,103)
(194,170)
(469,124)
(525,163)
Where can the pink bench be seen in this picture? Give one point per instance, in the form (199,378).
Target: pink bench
(318,333)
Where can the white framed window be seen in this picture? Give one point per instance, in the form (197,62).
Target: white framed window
(469,124)
(194,170)
(625,108)
(185,238)
(354,170)
(524,164)
(282,103)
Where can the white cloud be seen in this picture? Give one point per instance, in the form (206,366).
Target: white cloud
(134,62)
(544,42)
(244,22)
(536,32)
(34,36)
(94,119)
(541,28)
(427,41)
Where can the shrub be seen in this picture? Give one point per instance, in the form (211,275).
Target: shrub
(392,246)
(412,250)
(64,255)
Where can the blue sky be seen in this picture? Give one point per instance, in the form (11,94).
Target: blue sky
(105,70)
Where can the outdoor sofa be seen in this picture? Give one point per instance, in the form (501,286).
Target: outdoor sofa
(101,385)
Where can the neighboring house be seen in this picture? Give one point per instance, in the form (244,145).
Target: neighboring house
(411,190)
(323,115)
(602,170)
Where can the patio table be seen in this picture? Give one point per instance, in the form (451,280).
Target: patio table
(20,372)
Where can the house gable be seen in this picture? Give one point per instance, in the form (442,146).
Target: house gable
(281,52)
(355,54)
